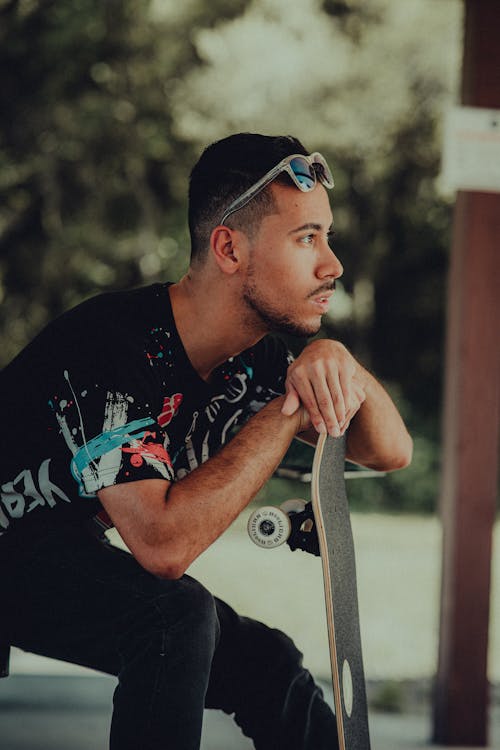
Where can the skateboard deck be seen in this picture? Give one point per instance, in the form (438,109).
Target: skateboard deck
(333,527)
(332,539)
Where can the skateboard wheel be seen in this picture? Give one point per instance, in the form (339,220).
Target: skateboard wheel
(269,527)
(296,505)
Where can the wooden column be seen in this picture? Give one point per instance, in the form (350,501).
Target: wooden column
(471,420)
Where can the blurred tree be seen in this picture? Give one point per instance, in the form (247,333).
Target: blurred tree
(92,175)
(105,107)
(367,84)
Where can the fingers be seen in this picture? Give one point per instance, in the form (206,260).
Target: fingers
(324,382)
(317,404)
(358,398)
(292,402)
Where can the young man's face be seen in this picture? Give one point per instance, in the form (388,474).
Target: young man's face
(292,269)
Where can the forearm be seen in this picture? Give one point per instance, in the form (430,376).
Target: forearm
(202,505)
(377,436)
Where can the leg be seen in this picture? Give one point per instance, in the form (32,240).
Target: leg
(166,656)
(257,674)
(81,601)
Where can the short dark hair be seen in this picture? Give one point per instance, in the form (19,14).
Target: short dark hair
(226,169)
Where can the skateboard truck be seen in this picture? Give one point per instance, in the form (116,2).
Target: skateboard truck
(293,523)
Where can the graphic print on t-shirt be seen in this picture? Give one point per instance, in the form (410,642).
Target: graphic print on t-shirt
(106,394)
(98,459)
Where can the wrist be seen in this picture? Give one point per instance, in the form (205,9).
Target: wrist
(293,422)
(364,378)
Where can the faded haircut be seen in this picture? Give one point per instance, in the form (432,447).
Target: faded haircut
(224,171)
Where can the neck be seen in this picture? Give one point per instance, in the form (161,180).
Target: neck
(210,321)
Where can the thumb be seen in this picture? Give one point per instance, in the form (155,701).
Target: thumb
(291,403)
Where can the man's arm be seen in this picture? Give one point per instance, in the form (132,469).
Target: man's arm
(338,392)
(167,525)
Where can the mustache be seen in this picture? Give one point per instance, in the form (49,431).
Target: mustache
(330,287)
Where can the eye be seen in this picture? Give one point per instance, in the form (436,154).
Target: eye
(330,237)
(307,239)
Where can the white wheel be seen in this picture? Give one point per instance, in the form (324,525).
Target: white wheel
(268,527)
(296,505)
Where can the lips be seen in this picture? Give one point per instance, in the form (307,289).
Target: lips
(322,301)
(323,295)
(324,291)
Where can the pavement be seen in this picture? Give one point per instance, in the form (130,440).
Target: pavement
(57,712)
(49,705)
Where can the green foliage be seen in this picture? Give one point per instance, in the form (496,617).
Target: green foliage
(415,490)
(105,107)
(92,177)
(389,697)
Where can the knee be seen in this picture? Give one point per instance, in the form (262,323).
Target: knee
(254,666)
(282,651)
(172,626)
(268,652)
(187,606)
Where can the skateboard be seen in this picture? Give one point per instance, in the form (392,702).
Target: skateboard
(323,527)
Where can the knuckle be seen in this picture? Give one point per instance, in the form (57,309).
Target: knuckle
(298,375)
(324,402)
(337,397)
(316,367)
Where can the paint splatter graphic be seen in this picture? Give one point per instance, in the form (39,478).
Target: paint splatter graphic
(147,449)
(169,409)
(99,460)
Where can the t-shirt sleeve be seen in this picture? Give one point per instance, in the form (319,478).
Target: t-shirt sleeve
(115,433)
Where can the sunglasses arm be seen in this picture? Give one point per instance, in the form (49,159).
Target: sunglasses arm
(247,196)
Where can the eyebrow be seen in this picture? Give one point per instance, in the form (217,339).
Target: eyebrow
(316,227)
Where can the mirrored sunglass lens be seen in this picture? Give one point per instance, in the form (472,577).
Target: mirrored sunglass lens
(320,170)
(323,171)
(303,173)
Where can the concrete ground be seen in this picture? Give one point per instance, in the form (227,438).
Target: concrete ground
(48,705)
(57,712)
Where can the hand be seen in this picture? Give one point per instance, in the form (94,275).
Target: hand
(327,382)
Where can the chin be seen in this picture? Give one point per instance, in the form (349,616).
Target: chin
(279,321)
(298,329)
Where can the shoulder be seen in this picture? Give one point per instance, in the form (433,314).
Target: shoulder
(93,337)
(140,304)
(111,324)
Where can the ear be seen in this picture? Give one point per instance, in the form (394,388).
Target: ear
(225,246)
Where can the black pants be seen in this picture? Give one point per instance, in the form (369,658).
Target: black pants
(174,648)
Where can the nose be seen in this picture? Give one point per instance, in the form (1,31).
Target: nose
(329,265)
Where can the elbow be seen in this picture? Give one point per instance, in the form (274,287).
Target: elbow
(399,462)
(401,456)
(398,456)
(406,454)
(169,569)
(170,566)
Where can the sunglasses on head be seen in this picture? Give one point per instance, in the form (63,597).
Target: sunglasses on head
(304,172)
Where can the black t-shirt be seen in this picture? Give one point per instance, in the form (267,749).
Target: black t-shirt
(105,395)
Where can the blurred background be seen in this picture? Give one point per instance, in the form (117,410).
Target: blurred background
(105,108)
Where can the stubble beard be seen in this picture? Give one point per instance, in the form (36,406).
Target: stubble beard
(273,320)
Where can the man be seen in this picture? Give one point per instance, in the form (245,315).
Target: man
(127,408)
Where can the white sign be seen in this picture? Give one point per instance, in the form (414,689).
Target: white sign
(471,149)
